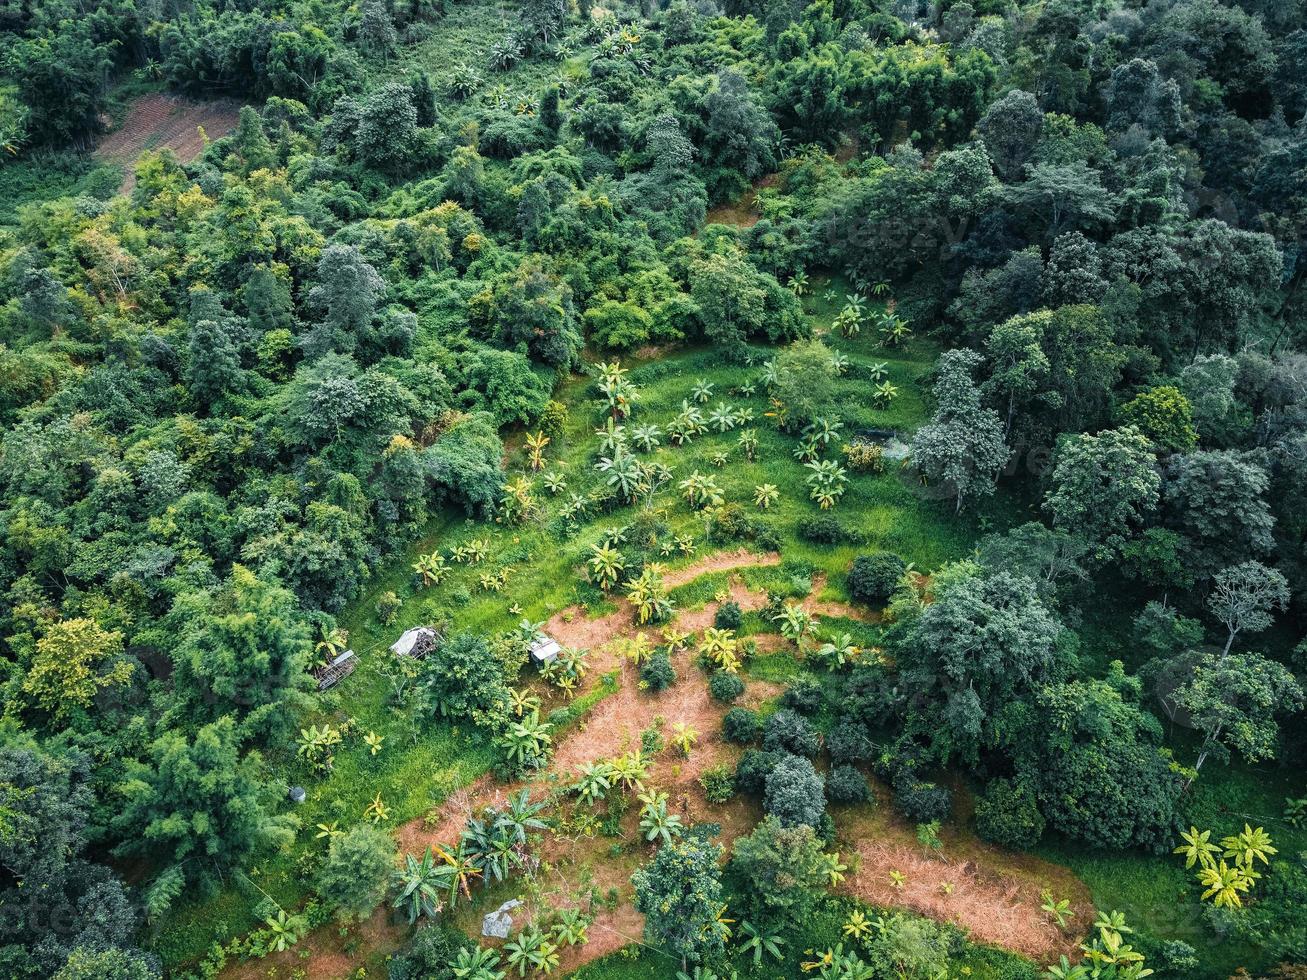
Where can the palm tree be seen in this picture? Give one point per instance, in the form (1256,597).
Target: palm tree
(522,702)
(878,371)
(571,927)
(848,322)
(612,438)
(284,930)
(766,494)
(418,884)
(527,742)
(520,817)
(799,283)
(646,437)
(823,431)
(430,568)
(796,623)
(1224,884)
(554,482)
(839,649)
(684,737)
(623,473)
(702,391)
(330,644)
(827,482)
(762,941)
(1249,846)
(477,963)
(656,823)
(606,565)
(883,394)
(535,447)
(880,288)
(749,444)
(722,417)
(458,871)
(701,491)
(593,782)
(1197,848)
(719,647)
(649,596)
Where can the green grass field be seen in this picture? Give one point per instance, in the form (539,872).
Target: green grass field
(415,774)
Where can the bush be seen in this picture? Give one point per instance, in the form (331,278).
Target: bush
(849,741)
(873,578)
(740,726)
(718,784)
(429,955)
(846,785)
(795,792)
(388,606)
(804,696)
(725,687)
(824,529)
(786,731)
(658,673)
(922,802)
(728,616)
(753,769)
(1007,814)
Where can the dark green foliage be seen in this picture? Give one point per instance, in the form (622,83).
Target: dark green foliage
(847,785)
(680,894)
(921,801)
(787,731)
(725,687)
(718,784)
(728,616)
(429,955)
(804,696)
(825,529)
(848,742)
(873,578)
(658,673)
(753,769)
(462,679)
(741,726)
(782,870)
(357,872)
(794,792)
(1007,813)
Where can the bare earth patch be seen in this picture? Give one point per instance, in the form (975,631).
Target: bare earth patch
(995,895)
(156,121)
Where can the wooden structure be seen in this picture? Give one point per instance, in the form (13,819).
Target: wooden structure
(417,642)
(329,675)
(544,650)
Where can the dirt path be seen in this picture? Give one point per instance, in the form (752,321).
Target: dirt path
(156,121)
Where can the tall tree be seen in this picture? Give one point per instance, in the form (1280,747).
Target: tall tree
(962,446)
(1104,487)
(679,892)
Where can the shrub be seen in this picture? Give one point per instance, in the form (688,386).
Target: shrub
(658,673)
(873,578)
(864,457)
(795,792)
(786,731)
(725,687)
(388,605)
(846,785)
(429,954)
(357,871)
(849,741)
(921,802)
(804,696)
(740,726)
(753,769)
(728,616)
(1008,815)
(718,784)
(825,529)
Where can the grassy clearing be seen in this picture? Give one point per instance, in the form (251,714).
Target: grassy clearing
(414,773)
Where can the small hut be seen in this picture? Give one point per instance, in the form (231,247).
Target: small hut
(416,643)
(330,674)
(544,650)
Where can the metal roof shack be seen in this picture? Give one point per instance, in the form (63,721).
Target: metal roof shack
(416,643)
(544,650)
(330,674)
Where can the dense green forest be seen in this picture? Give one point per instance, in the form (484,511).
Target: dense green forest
(896,411)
